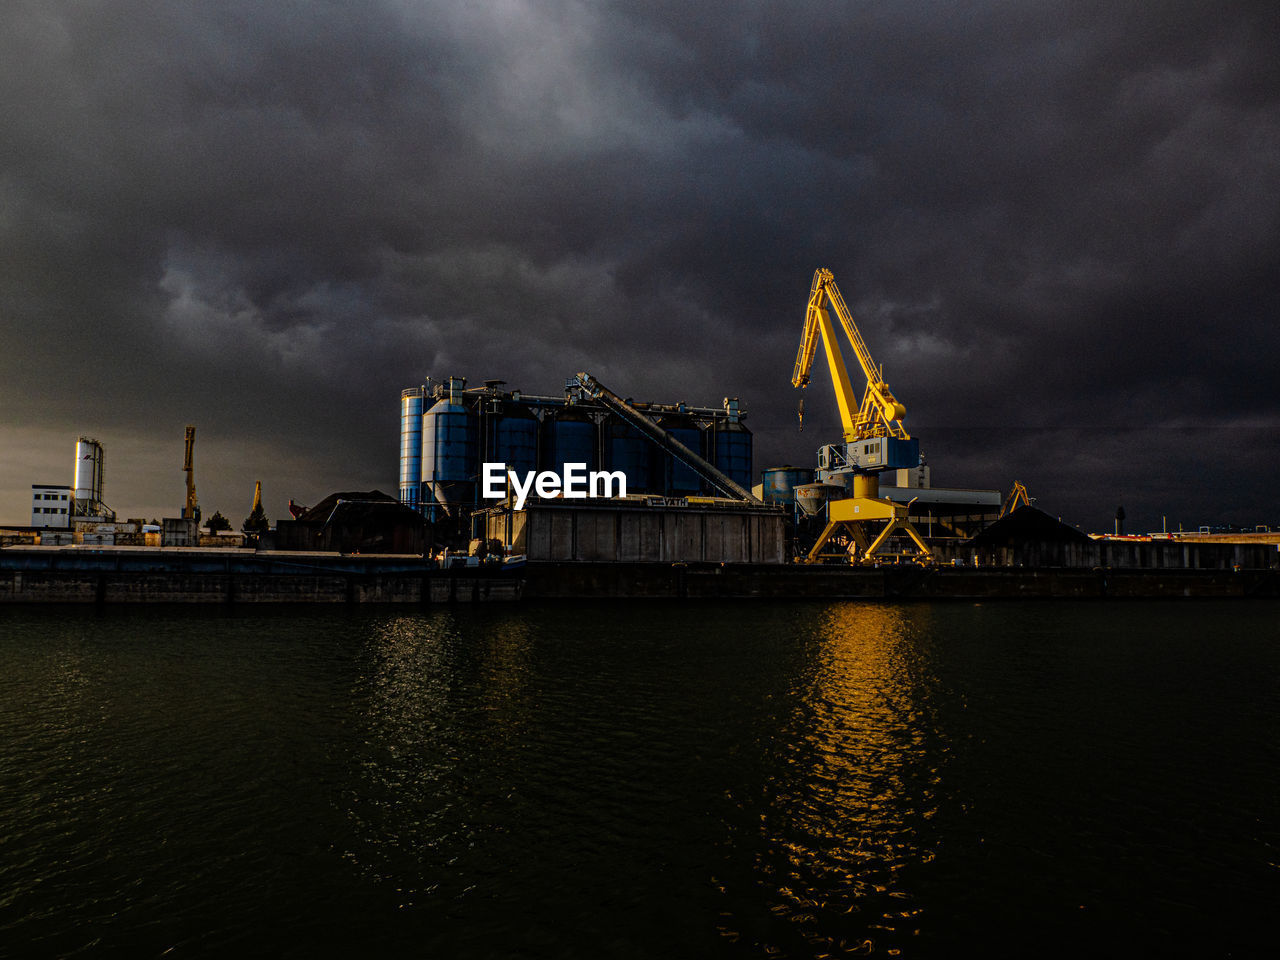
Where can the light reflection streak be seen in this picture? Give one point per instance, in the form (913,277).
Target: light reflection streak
(442,709)
(847,819)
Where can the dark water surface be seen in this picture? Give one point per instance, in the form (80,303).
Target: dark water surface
(642,780)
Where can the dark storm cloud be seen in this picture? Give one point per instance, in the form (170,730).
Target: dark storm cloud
(1057,224)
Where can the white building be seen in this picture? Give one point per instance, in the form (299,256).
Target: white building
(50,506)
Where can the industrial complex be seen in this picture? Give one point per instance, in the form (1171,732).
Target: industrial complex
(586,491)
(692,493)
(78,515)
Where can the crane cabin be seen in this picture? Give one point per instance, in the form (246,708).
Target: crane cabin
(873,453)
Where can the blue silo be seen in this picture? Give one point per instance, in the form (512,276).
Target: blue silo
(628,450)
(450,450)
(779,483)
(731,452)
(411,446)
(513,437)
(678,478)
(569,437)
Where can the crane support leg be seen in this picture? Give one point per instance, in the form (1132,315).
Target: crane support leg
(855,532)
(867,550)
(902,526)
(822,542)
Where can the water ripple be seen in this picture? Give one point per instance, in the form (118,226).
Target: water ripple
(659,780)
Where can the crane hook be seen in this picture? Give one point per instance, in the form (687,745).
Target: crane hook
(800,416)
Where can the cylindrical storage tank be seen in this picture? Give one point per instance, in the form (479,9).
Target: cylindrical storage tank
(678,478)
(88,481)
(731,453)
(450,453)
(513,438)
(411,446)
(568,437)
(628,450)
(780,483)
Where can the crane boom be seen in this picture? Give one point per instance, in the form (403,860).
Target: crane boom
(880,413)
(189,511)
(1018,497)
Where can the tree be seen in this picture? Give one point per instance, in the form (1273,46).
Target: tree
(217,522)
(256,522)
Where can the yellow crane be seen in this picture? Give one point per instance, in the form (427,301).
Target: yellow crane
(874,437)
(190,511)
(880,414)
(256,523)
(1018,497)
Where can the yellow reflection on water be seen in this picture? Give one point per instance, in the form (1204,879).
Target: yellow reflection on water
(848,816)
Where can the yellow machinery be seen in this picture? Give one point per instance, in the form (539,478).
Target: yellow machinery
(1018,497)
(874,437)
(190,511)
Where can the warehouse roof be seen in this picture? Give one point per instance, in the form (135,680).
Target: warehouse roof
(368,501)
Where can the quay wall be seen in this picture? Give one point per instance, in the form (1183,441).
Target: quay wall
(190,575)
(1148,555)
(82,587)
(797,581)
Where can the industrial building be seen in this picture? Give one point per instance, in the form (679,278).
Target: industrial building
(687,471)
(447,431)
(665,450)
(353,522)
(641,530)
(78,514)
(67,514)
(50,506)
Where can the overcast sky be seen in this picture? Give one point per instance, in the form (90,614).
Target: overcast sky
(1057,225)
